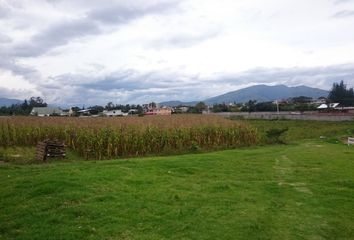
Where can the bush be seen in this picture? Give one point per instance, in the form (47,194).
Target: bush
(274,135)
(194,147)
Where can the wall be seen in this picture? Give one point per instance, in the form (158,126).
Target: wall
(287,115)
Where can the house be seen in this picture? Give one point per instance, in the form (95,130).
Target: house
(164,111)
(320,100)
(159,111)
(181,109)
(113,113)
(335,107)
(65,113)
(84,112)
(46,111)
(329,106)
(133,111)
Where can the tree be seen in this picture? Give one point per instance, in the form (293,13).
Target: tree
(37,102)
(74,111)
(140,109)
(301,99)
(109,106)
(340,94)
(200,107)
(24,108)
(266,107)
(250,106)
(302,107)
(96,109)
(152,105)
(221,108)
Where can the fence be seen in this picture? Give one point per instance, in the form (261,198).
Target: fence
(287,115)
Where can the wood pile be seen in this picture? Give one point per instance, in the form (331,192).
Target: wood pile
(50,148)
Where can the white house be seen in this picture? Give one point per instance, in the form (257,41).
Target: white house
(114,113)
(132,111)
(46,111)
(328,106)
(65,113)
(182,109)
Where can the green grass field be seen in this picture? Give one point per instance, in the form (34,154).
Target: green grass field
(299,130)
(303,190)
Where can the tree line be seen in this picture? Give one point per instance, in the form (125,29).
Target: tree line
(24,108)
(341,94)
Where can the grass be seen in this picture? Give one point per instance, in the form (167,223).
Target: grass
(302,190)
(300,130)
(297,191)
(19,155)
(27,155)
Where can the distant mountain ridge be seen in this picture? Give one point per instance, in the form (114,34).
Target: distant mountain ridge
(265,93)
(261,93)
(8,101)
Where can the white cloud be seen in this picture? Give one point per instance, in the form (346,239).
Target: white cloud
(65,50)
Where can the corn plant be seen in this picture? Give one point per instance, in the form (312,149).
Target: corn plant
(106,138)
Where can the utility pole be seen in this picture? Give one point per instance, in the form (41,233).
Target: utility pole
(276,102)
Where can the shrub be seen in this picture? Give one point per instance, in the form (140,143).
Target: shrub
(274,134)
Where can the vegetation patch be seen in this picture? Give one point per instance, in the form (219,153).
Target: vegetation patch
(17,154)
(106,138)
(301,130)
(274,134)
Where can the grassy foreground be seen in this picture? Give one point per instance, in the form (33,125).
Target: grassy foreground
(298,191)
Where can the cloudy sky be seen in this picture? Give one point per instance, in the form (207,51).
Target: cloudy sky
(93,52)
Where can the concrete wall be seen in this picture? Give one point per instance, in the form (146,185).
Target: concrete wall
(287,115)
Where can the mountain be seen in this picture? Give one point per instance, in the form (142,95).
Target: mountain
(8,102)
(264,93)
(177,103)
(261,93)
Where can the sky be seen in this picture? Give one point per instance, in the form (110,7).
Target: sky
(95,52)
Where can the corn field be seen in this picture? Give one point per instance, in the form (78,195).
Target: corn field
(105,138)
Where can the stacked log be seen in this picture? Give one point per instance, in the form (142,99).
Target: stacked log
(50,148)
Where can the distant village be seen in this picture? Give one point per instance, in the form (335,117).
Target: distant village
(97,111)
(340,100)
(298,104)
